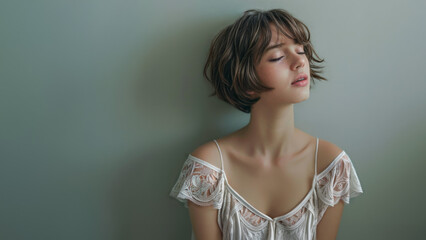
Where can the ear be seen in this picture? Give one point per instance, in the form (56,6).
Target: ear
(253,94)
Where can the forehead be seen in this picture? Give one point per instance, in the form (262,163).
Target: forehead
(277,35)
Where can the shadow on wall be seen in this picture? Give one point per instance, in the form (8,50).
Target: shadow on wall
(170,93)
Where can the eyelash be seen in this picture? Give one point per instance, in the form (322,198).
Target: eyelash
(277,59)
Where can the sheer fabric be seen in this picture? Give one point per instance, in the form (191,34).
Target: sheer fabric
(207,185)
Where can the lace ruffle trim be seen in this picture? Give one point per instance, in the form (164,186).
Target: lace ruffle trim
(200,184)
(341,182)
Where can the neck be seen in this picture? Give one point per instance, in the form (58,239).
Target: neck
(271,133)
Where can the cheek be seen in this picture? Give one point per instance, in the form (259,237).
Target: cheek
(267,74)
(273,76)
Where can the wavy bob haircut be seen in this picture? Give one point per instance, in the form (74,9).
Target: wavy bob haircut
(239,47)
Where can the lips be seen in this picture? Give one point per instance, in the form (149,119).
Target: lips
(305,76)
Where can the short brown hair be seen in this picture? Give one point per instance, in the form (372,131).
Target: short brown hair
(235,51)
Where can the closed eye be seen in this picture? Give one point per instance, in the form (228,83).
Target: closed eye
(276,59)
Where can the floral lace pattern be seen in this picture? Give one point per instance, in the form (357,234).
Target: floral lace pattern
(203,181)
(340,183)
(294,219)
(250,217)
(199,183)
(335,185)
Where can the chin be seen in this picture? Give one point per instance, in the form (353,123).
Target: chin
(303,99)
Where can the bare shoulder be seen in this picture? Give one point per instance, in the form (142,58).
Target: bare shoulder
(208,152)
(327,152)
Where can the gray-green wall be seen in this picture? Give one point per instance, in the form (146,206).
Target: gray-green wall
(101,101)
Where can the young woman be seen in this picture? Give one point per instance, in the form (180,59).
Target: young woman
(269,179)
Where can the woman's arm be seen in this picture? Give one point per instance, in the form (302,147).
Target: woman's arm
(328,227)
(204,222)
(204,218)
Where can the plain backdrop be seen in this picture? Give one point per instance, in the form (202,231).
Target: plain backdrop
(102,101)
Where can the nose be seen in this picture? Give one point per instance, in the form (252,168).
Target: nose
(299,61)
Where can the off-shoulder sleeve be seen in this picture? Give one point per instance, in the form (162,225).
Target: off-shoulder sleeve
(199,182)
(339,181)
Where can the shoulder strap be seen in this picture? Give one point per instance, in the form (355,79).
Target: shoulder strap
(220,152)
(316,156)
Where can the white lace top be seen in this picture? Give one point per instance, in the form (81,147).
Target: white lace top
(207,185)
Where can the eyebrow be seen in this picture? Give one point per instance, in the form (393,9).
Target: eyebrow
(274,46)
